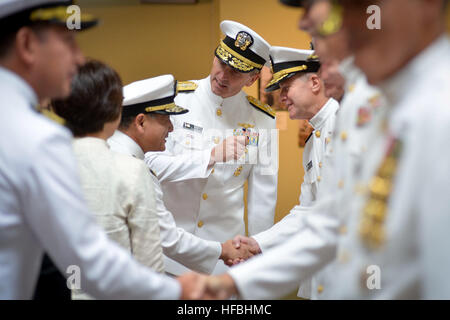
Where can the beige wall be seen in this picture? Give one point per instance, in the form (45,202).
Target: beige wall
(142,41)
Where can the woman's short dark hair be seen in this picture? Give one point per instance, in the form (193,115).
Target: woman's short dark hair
(95,99)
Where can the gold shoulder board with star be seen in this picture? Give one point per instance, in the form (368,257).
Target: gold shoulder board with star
(261,106)
(186,86)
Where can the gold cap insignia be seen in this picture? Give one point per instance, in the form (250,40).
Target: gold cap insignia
(243,40)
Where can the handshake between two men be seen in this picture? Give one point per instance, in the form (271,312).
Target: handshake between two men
(197,286)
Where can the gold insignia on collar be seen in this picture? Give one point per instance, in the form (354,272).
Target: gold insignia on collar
(50,114)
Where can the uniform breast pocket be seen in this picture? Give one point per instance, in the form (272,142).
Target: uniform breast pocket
(312,179)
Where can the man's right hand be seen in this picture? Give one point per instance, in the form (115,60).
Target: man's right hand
(230,253)
(251,244)
(232,148)
(220,287)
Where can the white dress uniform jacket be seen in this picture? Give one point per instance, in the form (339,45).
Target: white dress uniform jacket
(42,208)
(118,190)
(313,158)
(412,261)
(197,254)
(210,203)
(360,110)
(315,150)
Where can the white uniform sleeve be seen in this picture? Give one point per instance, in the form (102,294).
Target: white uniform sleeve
(278,271)
(193,252)
(56,212)
(262,185)
(175,164)
(282,231)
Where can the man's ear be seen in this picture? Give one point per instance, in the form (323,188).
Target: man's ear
(139,121)
(252,79)
(316,83)
(26,46)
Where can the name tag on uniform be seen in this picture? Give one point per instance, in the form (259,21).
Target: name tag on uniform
(253,137)
(192,127)
(309,165)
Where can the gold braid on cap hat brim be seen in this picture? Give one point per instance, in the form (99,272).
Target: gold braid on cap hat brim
(171,107)
(235,59)
(56,13)
(280,75)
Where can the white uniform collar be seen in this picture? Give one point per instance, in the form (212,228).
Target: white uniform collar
(122,143)
(327,110)
(16,83)
(206,87)
(398,85)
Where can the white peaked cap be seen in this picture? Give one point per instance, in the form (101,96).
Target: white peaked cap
(242,48)
(287,62)
(283,54)
(151,95)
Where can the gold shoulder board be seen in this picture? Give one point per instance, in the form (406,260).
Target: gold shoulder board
(261,106)
(52,116)
(186,86)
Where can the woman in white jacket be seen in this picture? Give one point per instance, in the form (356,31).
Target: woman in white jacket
(117,188)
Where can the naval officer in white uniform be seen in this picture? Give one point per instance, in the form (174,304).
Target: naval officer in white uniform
(41,203)
(295,72)
(204,192)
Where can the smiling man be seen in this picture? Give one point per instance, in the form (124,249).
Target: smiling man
(295,72)
(207,162)
(303,93)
